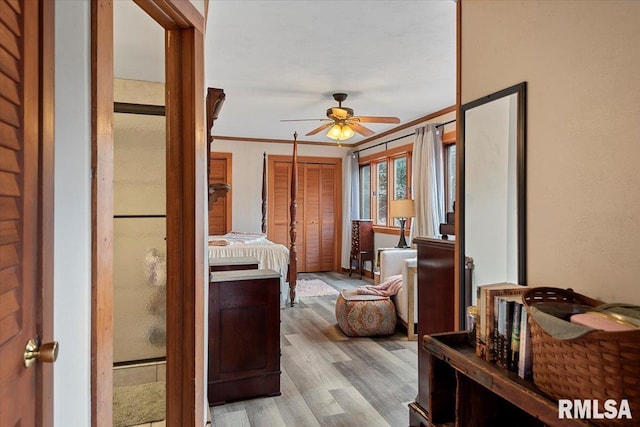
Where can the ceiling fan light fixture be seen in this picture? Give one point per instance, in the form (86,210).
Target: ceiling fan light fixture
(347,132)
(340,132)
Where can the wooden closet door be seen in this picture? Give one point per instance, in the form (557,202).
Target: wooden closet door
(220,211)
(328,202)
(280,179)
(312,218)
(26,209)
(279,203)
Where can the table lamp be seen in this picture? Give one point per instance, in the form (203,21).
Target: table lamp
(402,209)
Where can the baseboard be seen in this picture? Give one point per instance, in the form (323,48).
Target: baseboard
(366,273)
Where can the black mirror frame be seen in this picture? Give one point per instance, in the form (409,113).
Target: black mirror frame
(520,89)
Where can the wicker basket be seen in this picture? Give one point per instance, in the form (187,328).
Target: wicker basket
(598,365)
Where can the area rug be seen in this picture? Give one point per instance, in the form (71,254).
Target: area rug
(313,288)
(138,404)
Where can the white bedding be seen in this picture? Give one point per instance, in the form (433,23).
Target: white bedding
(270,255)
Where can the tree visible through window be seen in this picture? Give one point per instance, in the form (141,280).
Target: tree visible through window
(381,192)
(384,177)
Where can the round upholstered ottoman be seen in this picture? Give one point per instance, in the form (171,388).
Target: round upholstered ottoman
(365,315)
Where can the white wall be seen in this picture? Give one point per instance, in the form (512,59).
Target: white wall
(580,61)
(72,227)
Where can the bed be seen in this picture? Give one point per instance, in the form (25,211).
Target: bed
(269,254)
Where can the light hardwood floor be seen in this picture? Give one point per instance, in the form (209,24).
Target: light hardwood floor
(329,379)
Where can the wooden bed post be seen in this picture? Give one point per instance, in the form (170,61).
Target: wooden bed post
(293,258)
(264,192)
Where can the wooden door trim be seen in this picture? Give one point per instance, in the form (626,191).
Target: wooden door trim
(305,159)
(186,158)
(44,301)
(101,212)
(337,162)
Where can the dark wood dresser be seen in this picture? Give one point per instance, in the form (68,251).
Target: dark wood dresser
(436,309)
(234,263)
(361,244)
(244,335)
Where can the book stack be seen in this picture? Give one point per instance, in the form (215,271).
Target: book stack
(503,335)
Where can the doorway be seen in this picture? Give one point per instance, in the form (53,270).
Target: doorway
(185,192)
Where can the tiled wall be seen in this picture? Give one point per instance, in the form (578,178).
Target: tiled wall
(139,374)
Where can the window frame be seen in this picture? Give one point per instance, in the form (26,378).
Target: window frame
(388,157)
(448,141)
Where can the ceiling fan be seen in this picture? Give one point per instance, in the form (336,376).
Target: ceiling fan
(343,124)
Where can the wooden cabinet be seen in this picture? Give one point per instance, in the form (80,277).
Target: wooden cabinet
(465,390)
(361,244)
(436,303)
(244,335)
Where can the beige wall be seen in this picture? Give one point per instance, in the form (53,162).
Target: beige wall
(581,62)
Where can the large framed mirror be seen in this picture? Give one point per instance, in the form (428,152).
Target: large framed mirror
(492,201)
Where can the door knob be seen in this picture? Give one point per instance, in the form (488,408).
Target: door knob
(47,352)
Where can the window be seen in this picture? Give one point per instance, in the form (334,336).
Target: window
(384,177)
(380,193)
(365,191)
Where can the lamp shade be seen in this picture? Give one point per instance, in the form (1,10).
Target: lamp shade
(340,132)
(401,208)
(334,132)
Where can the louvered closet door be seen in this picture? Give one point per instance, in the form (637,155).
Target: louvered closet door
(316,213)
(18,206)
(312,218)
(279,208)
(328,216)
(278,230)
(319,217)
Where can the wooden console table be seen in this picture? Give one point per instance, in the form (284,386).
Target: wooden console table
(244,335)
(465,390)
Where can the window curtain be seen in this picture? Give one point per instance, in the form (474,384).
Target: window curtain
(350,203)
(428,182)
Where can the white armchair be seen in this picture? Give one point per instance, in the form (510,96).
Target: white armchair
(403,261)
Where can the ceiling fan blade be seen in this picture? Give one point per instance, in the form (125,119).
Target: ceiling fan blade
(339,113)
(318,129)
(377,119)
(304,120)
(361,129)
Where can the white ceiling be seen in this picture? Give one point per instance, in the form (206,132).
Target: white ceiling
(283,60)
